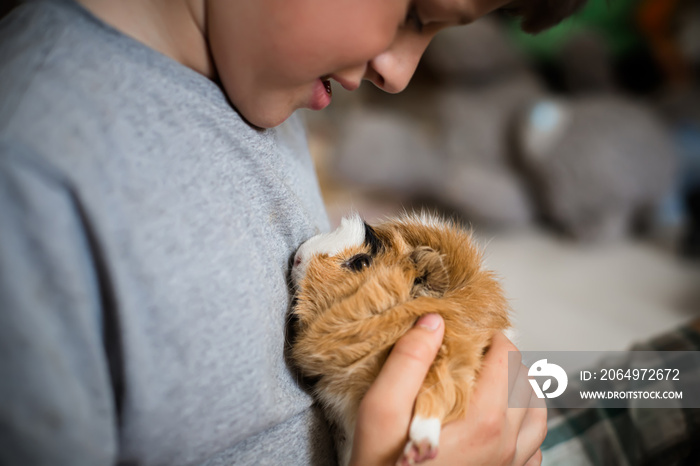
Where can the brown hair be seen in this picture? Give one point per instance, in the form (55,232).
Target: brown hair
(538,15)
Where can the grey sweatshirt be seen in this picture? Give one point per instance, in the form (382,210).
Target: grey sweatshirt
(145,234)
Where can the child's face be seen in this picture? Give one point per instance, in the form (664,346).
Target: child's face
(275,56)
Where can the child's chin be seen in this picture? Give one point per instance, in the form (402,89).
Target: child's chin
(266,120)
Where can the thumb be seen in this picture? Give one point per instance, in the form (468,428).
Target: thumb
(409,361)
(386,409)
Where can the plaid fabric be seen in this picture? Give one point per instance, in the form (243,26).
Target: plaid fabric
(599,436)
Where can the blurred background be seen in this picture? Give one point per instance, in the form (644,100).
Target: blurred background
(574,154)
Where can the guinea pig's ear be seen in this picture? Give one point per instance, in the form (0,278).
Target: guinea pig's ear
(432,278)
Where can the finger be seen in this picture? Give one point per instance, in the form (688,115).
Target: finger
(385,411)
(495,371)
(514,367)
(520,398)
(535,460)
(401,377)
(532,432)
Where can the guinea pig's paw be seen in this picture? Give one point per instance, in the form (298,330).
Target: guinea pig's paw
(415,453)
(424,436)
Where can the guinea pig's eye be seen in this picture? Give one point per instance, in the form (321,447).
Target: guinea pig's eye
(358,262)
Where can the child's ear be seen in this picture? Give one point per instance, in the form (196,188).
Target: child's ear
(432,277)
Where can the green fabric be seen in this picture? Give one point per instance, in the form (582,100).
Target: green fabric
(614,20)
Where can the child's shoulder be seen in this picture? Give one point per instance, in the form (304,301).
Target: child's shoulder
(76,90)
(49,68)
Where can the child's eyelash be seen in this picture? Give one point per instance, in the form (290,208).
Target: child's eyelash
(413,18)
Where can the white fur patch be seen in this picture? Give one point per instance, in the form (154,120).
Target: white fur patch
(424,218)
(422,429)
(430,219)
(350,233)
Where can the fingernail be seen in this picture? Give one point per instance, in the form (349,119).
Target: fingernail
(429,322)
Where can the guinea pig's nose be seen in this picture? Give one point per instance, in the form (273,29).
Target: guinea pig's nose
(297,260)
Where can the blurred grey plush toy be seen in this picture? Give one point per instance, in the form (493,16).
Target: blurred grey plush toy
(454,149)
(597,166)
(479,54)
(460,159)
(593,165)
(385,151)
(485,79)
(478,178)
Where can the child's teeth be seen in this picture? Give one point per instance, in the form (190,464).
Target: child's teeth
(327,85)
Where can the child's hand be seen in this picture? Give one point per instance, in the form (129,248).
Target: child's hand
(491,434)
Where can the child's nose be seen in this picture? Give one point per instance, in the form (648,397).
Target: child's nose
(390,74)
(393,69)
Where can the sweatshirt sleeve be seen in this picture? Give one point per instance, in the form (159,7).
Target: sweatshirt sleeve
(57,405)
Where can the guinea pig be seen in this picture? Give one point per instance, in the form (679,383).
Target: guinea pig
(359,288)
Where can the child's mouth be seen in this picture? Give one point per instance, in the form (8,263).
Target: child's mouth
(327,85)
(322,94)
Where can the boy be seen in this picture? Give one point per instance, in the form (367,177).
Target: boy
(148,221)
